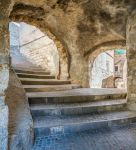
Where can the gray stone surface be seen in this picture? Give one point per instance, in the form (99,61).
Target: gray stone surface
(3,127)
(80,92)
(117,117)
(78,108)
(32,70)
(31,81)
(23,75)
(4,78)
(49,88)
(123,138)
(75,95)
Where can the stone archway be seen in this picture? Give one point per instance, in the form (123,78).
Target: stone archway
(91,55)
(64,57)
(35,47)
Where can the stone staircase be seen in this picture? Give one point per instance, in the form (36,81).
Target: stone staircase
(59,107)
(37,80)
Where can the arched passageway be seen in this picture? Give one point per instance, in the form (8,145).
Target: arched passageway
(109,70)
(55,55)
(29,47)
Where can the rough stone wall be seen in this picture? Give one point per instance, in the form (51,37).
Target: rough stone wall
(4,74)
(20,128)
(131,58)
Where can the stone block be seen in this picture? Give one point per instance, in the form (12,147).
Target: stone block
(4,78)
(3,127)
(4,59)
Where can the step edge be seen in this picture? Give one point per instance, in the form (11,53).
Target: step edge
(58,96)
(86,122)
(81,106)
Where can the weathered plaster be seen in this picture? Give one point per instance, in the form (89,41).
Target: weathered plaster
(131,58)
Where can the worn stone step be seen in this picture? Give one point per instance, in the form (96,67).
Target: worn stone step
(77,108)
(47,125)
(37,76)
(30,81)
(33,72)
(49,88)
(74,96)
(29,68)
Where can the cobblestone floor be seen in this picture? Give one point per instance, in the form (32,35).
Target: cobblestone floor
(123,138)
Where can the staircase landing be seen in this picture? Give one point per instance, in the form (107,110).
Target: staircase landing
(121,138)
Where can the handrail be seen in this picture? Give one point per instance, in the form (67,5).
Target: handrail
(109,55)
(32,41)
(44,46)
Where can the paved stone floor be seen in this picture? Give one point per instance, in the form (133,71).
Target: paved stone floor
(121,138)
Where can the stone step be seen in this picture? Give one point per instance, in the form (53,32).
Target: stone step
(30,81)
(74,96)
(33,72)
(49,88)
(77,108)
(47,125)
(29,67)
(37,76)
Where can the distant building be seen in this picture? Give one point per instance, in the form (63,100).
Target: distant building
(103,68)
(120,63)
(109,70)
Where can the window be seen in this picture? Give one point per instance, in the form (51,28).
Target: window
(116,68)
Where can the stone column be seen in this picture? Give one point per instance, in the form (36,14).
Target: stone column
(79,70)
(63,72)
(131,58)
(4,78)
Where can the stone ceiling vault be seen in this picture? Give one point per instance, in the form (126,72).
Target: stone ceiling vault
(85,23)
